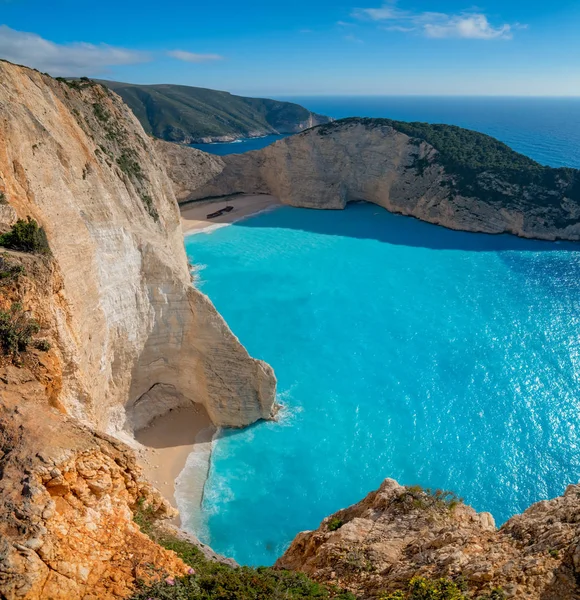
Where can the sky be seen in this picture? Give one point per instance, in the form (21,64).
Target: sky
(305,47)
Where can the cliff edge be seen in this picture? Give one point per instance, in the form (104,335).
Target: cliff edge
(398,533)
(101,331)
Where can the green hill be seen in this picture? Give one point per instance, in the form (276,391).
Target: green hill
(180,113)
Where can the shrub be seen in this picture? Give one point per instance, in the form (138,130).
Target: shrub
(150,207)
(27,236)
(129,165)
(427,498)
(42,345)
(335,523)
(3,199)
(101,112)
(16,330)
(420,588)
(211,580)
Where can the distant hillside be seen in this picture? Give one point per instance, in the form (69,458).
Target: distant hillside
(180,113)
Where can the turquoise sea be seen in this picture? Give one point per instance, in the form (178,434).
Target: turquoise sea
(402,349)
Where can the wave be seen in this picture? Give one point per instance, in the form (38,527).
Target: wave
(190,486)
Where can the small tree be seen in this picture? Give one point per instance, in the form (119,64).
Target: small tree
(27,236)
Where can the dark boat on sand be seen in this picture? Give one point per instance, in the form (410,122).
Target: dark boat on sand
(220,212)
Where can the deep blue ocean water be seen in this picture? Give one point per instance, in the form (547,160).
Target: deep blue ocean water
(546,129)
(402,350)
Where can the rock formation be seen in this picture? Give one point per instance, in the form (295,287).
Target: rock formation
(371,159)
(134,337)
(67,498)
(397,533)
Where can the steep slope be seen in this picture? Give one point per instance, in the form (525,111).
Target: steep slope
(441,174)
(187,114)
(397,533)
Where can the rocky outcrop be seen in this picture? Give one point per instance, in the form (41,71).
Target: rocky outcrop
(364,159)
(188,170)
(67,498)
(134,337)
(397,533)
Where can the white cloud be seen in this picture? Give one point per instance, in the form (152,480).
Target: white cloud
(192,57)
(469,24)
(353,38)
(382,14)
(474,26)
(77,58)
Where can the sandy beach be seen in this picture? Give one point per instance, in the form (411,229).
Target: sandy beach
(194,215)
(168,441)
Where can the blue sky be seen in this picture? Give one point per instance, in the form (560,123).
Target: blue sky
(305,47)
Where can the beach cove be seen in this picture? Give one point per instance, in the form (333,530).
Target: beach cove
(186,433)
(471,313)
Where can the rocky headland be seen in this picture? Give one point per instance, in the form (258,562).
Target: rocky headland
(441,174)
(102,332)
(190,115)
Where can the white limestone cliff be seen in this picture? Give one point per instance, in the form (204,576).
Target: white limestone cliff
(134,337)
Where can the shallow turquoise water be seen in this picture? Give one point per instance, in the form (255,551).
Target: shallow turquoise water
(402,350)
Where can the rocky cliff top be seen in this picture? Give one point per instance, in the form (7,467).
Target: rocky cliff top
(397,533)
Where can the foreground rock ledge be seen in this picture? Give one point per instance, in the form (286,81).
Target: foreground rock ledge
(398,532)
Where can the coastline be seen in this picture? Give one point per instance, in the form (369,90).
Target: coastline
(194,215)
(168,442)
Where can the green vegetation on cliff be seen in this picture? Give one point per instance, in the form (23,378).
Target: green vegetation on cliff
(481,166)
(211,580)
(26,236)
(180,113)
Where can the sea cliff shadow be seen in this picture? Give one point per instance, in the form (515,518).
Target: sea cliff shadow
(368,221)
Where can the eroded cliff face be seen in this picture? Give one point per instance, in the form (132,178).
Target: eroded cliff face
(135,339)
(362,160)
(67,498)
(397,533)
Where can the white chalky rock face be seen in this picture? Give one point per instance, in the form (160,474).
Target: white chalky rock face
(134,337)
(329,166)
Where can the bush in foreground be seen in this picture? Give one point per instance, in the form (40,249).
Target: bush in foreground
(210,580)
(421,588)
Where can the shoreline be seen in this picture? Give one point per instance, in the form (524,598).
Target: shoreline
(194,215)
(168,442)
